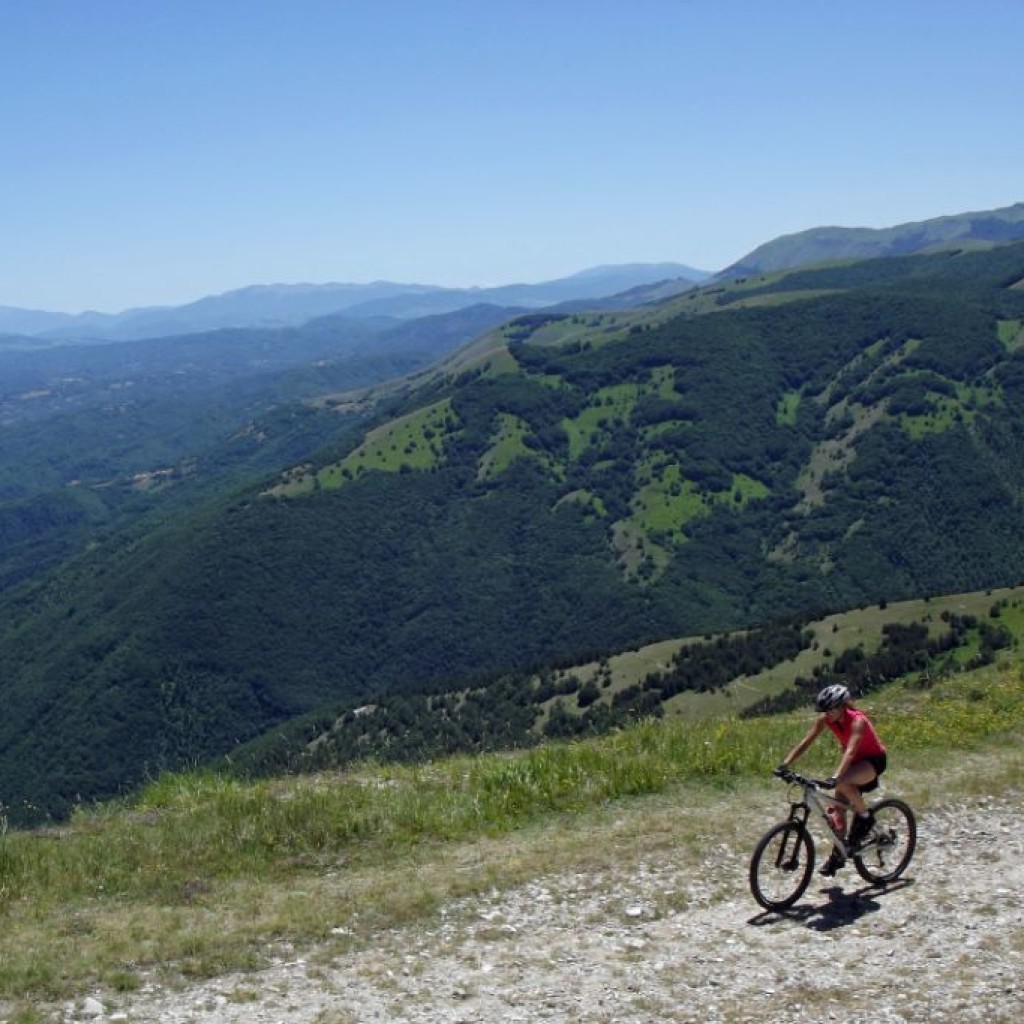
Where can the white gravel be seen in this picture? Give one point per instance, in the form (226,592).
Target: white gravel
(644,943)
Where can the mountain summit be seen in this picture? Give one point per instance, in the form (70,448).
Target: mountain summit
(831,244)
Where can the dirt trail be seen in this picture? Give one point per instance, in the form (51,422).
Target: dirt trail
(646,943)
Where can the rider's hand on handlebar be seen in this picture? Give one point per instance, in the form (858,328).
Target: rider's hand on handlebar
(782,771)
(829,783)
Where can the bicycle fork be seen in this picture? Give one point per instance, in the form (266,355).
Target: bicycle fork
(788,858)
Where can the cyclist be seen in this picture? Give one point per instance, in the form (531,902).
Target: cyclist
(862,761)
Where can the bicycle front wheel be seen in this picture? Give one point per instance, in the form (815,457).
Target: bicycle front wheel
(781,867)
(891,844)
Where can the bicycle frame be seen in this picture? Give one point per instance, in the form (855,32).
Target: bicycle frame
(813,801)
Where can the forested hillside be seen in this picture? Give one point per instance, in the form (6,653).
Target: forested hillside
(850,436)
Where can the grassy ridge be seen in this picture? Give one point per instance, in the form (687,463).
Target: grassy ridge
(203,873)
(832,635)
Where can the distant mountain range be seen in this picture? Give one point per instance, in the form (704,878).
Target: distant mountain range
(289,305)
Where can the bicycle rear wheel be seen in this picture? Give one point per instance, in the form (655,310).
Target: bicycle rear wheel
(890,845)
(781,866)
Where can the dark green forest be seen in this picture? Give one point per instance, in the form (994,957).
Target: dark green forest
(755,465)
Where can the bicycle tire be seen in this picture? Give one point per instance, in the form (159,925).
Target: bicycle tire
(891,844)
(781,865)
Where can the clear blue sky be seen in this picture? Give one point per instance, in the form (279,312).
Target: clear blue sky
(155,151)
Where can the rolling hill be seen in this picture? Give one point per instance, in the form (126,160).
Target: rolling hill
(579,485)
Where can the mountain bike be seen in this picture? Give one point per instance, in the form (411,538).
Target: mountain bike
(783,860)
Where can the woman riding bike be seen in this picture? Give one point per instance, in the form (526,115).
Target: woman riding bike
(863,759)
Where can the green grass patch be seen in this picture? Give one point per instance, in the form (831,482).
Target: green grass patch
(414,441)
(1010,334)
(663,380)
(596,508)
(509,444)
(946,413)
(666,502)
(561,331)
(746,489)
(611,407)
(496,363)
(789,405)
(660,509)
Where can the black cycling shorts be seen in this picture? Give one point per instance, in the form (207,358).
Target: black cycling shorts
(878,762)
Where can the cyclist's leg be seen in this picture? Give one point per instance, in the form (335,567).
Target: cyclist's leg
(857,777)
(848,786)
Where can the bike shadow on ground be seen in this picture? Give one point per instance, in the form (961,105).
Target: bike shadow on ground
(840,909)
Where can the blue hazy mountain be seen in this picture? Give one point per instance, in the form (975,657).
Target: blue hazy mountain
(289,305)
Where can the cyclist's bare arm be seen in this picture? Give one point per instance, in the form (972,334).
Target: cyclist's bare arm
(812,734)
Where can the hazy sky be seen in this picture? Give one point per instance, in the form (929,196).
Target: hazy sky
(155,151)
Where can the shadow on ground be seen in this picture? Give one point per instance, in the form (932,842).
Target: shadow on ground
(840,909)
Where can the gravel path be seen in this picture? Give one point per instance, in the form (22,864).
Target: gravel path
(654,942)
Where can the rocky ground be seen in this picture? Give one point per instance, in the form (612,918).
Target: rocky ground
(680,941)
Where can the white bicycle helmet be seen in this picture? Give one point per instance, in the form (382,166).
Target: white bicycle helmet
(831,697)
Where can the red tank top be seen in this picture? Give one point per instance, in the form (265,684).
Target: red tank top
(870,745)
